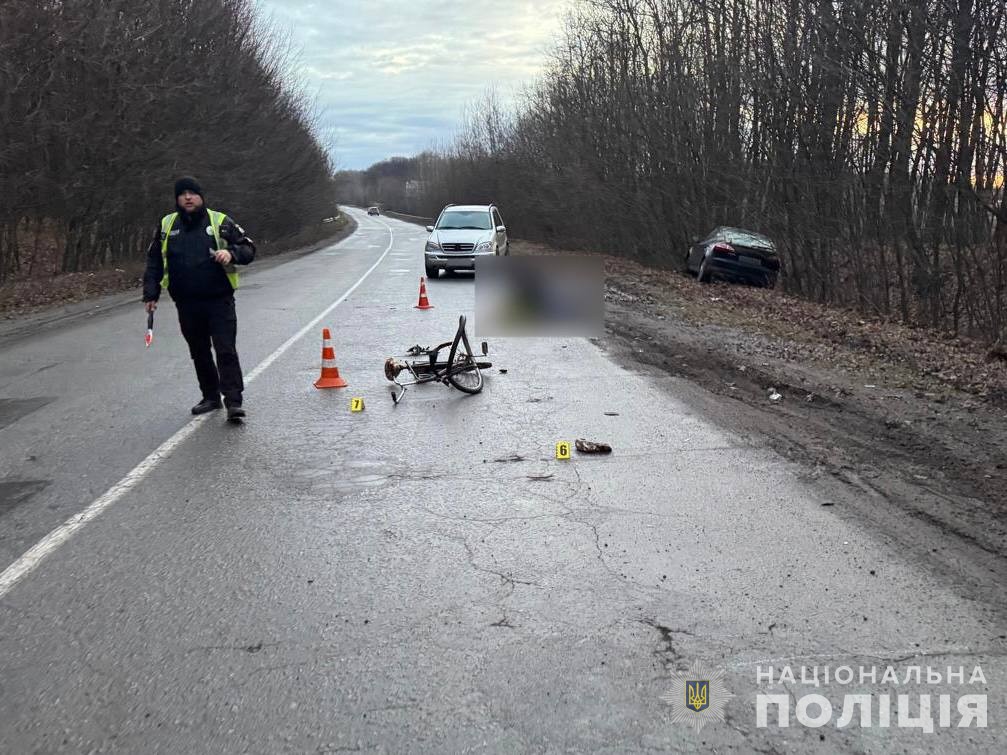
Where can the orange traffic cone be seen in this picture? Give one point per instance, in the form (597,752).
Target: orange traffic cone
(424,303)
(330,373)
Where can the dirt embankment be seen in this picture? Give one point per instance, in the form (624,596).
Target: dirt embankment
(36,292)
(909,419)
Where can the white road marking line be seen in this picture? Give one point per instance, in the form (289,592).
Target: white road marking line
(31,558)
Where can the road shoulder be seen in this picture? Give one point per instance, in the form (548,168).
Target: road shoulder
(870,406)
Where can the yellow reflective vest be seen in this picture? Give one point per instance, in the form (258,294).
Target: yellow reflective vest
(216,218)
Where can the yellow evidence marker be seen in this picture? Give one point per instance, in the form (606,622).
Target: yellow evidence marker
(356,404)
(563,449)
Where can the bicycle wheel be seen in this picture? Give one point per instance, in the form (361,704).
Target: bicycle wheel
(463,370)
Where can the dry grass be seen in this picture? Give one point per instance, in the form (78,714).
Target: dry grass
(829,336)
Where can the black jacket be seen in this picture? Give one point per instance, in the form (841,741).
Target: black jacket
(192,272)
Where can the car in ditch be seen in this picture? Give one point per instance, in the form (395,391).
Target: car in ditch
(735,254)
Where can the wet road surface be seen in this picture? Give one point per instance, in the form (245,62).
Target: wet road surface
(427,577)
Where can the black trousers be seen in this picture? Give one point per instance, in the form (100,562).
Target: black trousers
(213,321)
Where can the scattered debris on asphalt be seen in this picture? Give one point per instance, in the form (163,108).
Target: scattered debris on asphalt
(512,457)
(611,414)
(540,476)
(927,379)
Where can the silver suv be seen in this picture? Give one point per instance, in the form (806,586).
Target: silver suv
(462,233)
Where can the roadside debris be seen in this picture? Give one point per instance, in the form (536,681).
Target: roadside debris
(540,476)
(774,395)
(591,447)
(512,457)
(611,414)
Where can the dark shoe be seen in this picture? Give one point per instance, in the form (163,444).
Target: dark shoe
(206,405)
(591,447)
(235,413)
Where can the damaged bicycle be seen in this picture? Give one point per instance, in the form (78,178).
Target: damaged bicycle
(462,369)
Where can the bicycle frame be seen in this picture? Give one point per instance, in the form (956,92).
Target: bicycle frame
(431,370)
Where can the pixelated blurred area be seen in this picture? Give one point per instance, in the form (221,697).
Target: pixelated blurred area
(539,296)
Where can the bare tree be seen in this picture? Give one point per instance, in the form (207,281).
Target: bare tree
(105,102)
(868,137)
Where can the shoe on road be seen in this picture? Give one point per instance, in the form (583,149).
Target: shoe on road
(206,405)
(235,413)
(591,447)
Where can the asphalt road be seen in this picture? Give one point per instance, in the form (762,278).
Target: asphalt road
(427,577)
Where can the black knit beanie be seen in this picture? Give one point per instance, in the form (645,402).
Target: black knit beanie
(187,183)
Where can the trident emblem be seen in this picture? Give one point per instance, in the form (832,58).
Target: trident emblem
(697,695)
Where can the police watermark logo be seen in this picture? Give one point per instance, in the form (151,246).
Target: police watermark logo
(895,700)
(697,696)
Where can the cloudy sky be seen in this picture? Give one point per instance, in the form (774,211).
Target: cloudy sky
(393,77)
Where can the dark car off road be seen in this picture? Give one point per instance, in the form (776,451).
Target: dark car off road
(734,253)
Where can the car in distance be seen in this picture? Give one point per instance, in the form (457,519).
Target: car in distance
(736,254)
(373,211)
(462,233)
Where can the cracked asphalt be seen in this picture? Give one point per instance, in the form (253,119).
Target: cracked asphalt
(427,577)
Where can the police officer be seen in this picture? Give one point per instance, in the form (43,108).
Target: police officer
(193,255)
